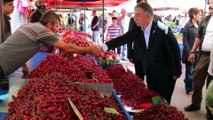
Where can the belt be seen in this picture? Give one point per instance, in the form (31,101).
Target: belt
(205,53)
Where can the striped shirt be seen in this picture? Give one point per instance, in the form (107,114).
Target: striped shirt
(23,44)
(114,31)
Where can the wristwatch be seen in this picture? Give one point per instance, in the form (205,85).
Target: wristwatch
(191,52)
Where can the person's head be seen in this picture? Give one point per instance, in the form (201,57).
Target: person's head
(114,20)
(51,20)
(8,7)
(113,13)
(40,4)
(141,1)
(94,13)
(60,16)
(143,14)
(123,12)
(210,3)
(195,14)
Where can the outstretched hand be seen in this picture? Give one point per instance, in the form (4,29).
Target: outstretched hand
(131,60)
(175,77)
(95,50)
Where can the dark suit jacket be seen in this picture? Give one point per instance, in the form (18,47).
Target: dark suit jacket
(7,27)
(162,55)
(132,26)
(35,16)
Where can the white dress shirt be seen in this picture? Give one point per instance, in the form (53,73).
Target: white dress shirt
(146,32)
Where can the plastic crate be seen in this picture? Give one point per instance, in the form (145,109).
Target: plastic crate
(2,115)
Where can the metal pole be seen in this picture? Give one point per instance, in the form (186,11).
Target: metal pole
(84,27)
(103,21)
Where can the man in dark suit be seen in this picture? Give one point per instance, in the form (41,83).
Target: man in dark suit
(156,48)
(132,26)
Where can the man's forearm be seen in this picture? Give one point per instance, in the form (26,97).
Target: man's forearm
(76,49)
(195,45)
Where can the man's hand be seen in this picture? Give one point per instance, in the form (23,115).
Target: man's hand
(175,77)
(191,57)
(131,60)
(95,50)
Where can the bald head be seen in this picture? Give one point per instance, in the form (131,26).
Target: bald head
(123,12)
(40,4)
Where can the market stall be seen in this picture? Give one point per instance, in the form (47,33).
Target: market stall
(57,84)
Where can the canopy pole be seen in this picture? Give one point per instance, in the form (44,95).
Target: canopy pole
(102,21)
(84,28)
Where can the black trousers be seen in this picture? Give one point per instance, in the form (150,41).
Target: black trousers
(1,72)
(163,85)
(139,69)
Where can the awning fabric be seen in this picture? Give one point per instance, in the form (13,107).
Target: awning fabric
(84,3)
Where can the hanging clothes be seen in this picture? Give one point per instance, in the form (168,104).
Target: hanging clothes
(22,6)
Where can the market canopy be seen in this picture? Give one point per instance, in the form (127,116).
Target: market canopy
(85,3)
(165,8)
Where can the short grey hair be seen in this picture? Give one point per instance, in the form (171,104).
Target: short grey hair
(146,7)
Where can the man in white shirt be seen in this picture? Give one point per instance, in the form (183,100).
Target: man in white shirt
(204,42)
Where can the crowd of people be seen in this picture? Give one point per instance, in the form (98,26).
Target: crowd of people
(143,39)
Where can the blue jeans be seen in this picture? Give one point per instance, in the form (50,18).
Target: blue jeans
(123,54)
(188,76)
(95,37)
(189,73)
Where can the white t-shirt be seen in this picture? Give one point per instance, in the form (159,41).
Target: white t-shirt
(209,35)
(124,23)
(208,38)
